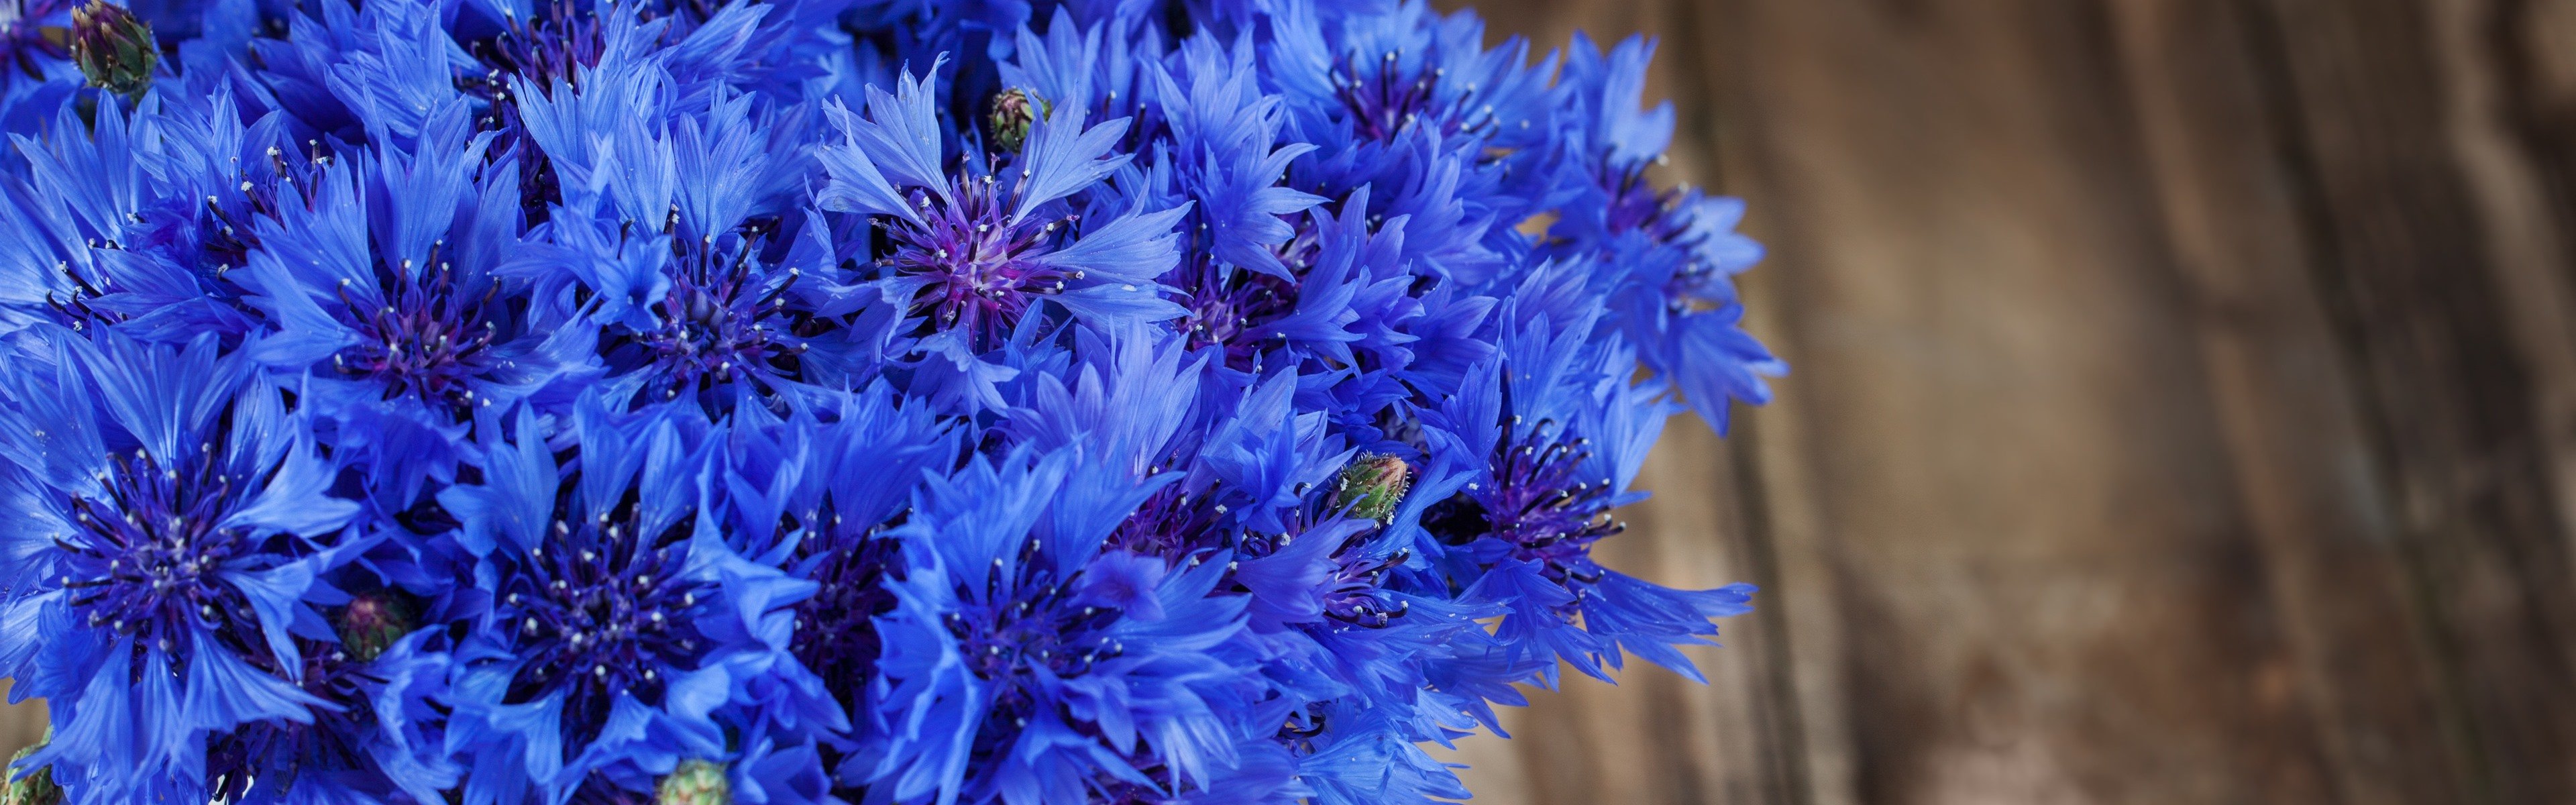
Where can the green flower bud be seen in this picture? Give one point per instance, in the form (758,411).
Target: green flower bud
(36,787)
(1372,485)
(1013,113)
(114,48)
(370,624)
(695,782)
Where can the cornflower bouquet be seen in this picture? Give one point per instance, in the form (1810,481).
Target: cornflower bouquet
(871,401)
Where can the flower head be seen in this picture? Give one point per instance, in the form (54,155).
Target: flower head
(179,523)
(975,252)
(1071,670)
(619,620)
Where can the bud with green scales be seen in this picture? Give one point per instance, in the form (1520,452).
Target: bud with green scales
(695,782)
(370,624)
(31,787)
(114,49)
(1372,486)
(1014,111)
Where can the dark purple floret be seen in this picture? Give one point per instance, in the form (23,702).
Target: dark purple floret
(557,44)
(430,337)
(598,610)
(1228,307)
(1383,100)
(1350,596)
(1667,216)
(1110,790)
(1539,508)
(1020,627)
(1637,205)
(1029,625)
(1172,524)
(258,760)
(144,560)
(836,632)
(970,262)
(721,323)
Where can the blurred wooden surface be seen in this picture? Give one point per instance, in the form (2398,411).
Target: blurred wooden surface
(2185,410)
(2184,413)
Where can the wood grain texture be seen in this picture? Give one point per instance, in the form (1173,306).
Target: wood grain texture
(2416,285)
(20,724)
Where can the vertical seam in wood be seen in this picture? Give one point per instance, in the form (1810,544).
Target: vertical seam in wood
(2267,50)
(1785,743)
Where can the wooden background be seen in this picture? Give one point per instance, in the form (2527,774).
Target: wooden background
(2185,410)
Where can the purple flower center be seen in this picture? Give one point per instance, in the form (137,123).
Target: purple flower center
(601,610)
(143,561)
(1231,308)
(721,322)
(1352,596)
(970,263)
(261,756)
(1171,524)
(836,632)
(557,45)
(428,337)
(1636,205)
(1038,627)
(1021,626)
(1538,507)
(1383,100)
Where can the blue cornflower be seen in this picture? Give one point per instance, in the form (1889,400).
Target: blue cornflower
(1565,436)
(176,525)
(973,254)
(1023,664)
(401,309)
(117,228)
(817,494)
(624,635)
(679,233)
(1675,252)
(1450,134)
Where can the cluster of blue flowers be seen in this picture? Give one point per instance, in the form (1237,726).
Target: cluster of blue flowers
(871,401)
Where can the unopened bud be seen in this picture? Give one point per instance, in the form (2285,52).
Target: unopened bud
(1372,485)
(114,48)
(1013,112)
(30,786)
(695,782)
(370,624)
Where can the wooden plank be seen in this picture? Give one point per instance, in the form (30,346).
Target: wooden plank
(21,724)
(2048,582)
(2426,302)
(2508,71)
(2295,434)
